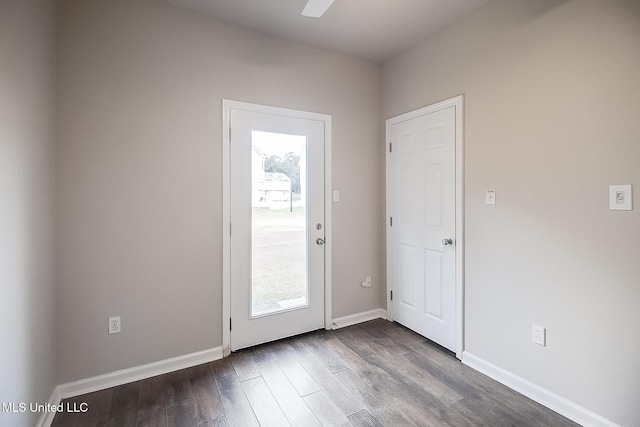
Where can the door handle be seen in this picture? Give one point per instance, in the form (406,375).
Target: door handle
(319,241)
(447,242)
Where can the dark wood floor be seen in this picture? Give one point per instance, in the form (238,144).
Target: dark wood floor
(373,374)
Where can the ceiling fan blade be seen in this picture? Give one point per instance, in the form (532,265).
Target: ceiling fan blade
(316,8)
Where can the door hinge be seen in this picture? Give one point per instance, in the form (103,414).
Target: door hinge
(229,323)
(229,229)
(391,295)
(390,221)
(391,147)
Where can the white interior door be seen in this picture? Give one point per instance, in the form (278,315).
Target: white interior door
(422,228)
(277,221)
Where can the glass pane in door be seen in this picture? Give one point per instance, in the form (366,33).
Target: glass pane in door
(279,221)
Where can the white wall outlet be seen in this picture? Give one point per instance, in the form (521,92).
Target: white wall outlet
(539,335)
(366,283)
(336,195)
(114,325)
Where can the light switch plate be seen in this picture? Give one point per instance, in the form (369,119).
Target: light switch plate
(490,197)
(620,198)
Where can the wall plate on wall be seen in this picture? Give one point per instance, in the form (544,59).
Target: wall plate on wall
(620,198)
(490,196)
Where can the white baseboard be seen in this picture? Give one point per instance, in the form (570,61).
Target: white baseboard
(101,382)
(536,393)
(125,376)
(354,319)
(47,417)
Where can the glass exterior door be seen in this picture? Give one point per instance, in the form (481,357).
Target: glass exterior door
(277,212)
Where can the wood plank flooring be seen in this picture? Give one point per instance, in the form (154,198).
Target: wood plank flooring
(376,373)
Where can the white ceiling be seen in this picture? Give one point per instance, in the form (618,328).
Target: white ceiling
(375,30)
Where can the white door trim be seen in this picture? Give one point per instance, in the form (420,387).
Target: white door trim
(456,102)
(227,106)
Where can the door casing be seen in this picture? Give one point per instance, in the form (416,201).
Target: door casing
(456,102)
(227,107)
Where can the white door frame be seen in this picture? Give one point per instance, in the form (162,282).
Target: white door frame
(227,106)
(456,102)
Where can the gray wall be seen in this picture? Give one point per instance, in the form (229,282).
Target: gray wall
(27,297)
(551,120)
(139,189)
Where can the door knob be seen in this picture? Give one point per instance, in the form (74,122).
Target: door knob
(447,242)
(319,241)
